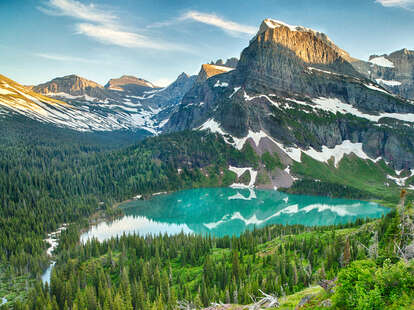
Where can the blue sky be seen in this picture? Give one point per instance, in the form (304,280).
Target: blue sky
(159,39)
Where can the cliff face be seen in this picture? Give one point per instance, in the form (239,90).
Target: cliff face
(309,45)
(208,70)
(295,86)
(130,83)
(72,85)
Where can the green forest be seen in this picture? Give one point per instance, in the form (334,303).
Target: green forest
(67,177)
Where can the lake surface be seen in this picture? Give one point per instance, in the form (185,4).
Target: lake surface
(228,211)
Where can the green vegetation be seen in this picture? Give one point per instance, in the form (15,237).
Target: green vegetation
(65,177)
(153,272)
(271,161)
(354,177)
(47,180)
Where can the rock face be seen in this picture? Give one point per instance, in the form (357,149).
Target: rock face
(130,83)
(295,86)
(309,45)
(395,71)
(231,62)
(207,71)
(72,85)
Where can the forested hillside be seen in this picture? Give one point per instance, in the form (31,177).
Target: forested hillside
(49,180)
(161,272)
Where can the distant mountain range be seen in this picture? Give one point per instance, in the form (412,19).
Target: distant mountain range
(292,92)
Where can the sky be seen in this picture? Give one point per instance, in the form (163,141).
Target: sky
(159,39)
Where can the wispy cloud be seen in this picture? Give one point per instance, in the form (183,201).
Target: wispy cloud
(111,35)
(405,4)
(228,26)
(78,10)
(63,58)
(216,21)
(103,25)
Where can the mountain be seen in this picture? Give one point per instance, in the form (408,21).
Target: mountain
(395,72)
(296,94)
(127,103)
(73,86)
(131,84)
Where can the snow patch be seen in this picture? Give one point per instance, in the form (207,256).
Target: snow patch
(401,180)
(338,152)
(221,84)
(382,61)
(235,90)
(388,83)
(239,172)
(373,87)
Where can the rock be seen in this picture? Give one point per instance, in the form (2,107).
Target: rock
(129,83)
(304,301)
(72,85)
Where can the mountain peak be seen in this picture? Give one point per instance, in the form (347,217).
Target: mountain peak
(310,45)
(124,80)
(208,70)
(70,84)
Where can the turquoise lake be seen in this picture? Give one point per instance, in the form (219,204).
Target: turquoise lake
(228,211)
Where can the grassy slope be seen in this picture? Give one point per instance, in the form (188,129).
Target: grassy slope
(353,172)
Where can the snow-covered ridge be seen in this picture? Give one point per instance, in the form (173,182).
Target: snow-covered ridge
(273,23)
(85,114)
(382,61)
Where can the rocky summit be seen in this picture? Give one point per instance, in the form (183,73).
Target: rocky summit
(72,85)
(129,82)
(295,92)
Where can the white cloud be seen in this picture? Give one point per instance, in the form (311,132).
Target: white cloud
(63,58)
(214,20)
(406,4)
(111,35)
(78,10)
(103,25)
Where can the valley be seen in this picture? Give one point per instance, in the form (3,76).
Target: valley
(281,179)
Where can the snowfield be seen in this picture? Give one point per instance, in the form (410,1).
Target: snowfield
(382,61)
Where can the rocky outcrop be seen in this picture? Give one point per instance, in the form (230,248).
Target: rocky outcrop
(231,62)
(130,83)
(207,71)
